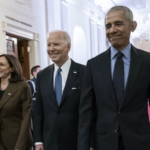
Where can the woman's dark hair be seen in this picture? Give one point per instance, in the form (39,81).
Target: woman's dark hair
(17,74)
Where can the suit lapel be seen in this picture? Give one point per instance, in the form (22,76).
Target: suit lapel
(49,80)
(73,73)
(135,64)
(106,74)
(9,92)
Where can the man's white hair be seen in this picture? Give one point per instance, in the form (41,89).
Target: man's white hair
(65,35)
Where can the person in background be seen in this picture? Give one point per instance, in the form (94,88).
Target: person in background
(15,106)
(115,89)
(32,83)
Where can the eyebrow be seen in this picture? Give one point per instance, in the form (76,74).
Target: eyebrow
(114,22)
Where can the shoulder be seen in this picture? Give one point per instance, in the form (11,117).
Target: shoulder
(99,57)
(141,53)
(46,70)
(22,84)
(78,65)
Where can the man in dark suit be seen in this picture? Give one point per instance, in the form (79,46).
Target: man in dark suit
(115,89)
(58,96)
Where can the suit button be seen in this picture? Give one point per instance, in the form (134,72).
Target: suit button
(115,131)
(119,112)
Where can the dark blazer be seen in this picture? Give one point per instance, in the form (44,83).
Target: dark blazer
(15,113)
(99,109)
(31,86)
(33,92)
(55,126)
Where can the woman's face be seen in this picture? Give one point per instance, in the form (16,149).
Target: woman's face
(5,69)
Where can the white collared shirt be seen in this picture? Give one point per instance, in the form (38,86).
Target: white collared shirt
(64,73)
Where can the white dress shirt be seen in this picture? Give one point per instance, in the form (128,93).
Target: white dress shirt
(64,73)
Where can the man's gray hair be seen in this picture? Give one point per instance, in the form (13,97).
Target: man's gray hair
(65,35)
(128,13)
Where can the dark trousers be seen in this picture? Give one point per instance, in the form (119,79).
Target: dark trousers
(120,142)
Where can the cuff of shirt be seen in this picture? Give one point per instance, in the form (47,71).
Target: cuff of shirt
(37,143)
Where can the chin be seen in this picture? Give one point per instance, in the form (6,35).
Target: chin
(115,44)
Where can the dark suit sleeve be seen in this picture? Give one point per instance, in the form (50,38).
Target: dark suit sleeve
(86,111)
(38,114)
(148,94)
(31,87)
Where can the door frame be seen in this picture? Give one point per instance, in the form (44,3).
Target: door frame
(32,37)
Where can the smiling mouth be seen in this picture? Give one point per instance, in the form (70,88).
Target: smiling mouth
(114,37)
(53,55)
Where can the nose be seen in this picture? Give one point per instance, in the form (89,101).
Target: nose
(51,48)
(113,29)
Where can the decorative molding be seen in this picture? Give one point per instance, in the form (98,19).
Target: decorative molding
(4,26)
(27,3)
(26,11)
(36,36)
(64,2)
(96,19)
(18,21)
(8,28)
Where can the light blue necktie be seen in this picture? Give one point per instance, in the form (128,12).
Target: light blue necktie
(58,86)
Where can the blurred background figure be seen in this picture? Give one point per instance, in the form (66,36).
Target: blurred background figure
(15,106)
(32,83)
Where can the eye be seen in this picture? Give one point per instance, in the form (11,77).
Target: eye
(108,26)
(1,64)
(48,45)
(56,44)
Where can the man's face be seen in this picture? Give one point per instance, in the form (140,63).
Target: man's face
(58,48)
(36,72)
(118,29)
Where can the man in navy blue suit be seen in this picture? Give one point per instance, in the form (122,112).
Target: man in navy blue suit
(59,86)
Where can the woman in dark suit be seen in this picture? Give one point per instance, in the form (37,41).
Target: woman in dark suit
(15,106)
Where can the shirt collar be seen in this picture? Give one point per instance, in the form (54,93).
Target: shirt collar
(65,67)
(126,51)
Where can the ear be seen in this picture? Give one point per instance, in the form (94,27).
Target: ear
(133,26)
(12,69)
(69,46)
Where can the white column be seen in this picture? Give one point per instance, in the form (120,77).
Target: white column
(3,27)
(64,15)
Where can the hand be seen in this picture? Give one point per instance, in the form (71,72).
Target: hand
(91,148)
(39,147)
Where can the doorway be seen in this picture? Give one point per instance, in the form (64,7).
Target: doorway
(18,47)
